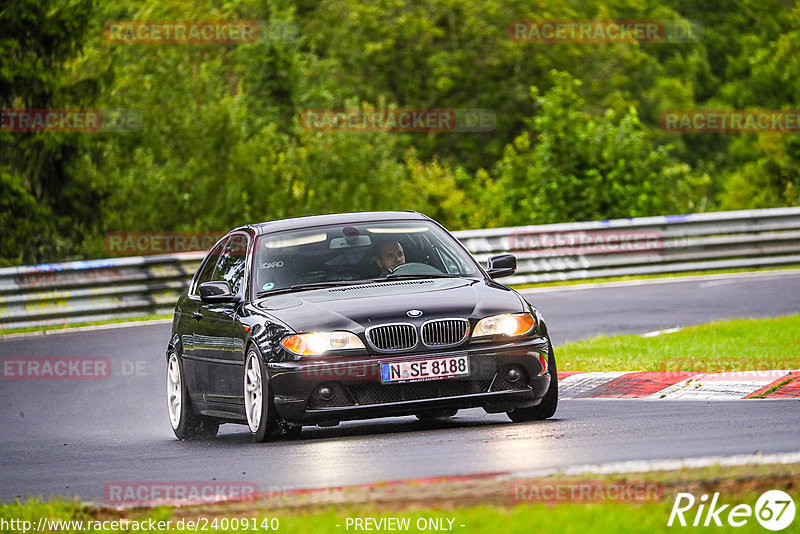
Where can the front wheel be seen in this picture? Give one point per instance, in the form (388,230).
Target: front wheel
(186,424)
(546,408)
(258,405)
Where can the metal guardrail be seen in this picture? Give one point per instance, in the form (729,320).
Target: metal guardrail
(95,290)
(60,293)
(646,245)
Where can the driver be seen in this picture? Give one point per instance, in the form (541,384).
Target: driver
(390,256)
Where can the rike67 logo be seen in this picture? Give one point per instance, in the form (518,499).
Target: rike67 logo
(774,510)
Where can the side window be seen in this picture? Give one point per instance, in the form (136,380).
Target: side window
(206,272)
(230,267)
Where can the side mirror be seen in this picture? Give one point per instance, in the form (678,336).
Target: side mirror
(502,265)
(216,292)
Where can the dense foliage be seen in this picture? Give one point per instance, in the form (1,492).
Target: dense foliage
(221,142)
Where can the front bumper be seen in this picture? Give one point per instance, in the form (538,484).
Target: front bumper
(357,391)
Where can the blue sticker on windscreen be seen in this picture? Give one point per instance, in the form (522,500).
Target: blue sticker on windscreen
(267,286)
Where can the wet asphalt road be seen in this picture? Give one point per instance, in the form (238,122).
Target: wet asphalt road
(74,437)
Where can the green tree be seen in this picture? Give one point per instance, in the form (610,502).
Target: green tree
(576,166)
(47,209)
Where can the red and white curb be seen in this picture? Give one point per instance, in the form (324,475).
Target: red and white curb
(681,385)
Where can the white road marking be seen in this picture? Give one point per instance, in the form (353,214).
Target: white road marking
(86,328)
(655,333)
(582,382)
(644,466)
(665,280)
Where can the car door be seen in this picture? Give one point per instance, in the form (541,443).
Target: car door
(189,325)
(219,336)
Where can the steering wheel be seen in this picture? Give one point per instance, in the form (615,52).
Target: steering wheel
(414,268)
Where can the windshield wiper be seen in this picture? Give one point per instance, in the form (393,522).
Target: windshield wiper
(391,276)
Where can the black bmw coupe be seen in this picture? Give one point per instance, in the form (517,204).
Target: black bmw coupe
(316,320)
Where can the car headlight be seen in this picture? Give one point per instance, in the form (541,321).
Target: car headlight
(509,324)
(315,343)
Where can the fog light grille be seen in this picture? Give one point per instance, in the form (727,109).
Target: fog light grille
(339,397)
(502,381)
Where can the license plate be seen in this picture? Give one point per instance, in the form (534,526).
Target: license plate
(432,369)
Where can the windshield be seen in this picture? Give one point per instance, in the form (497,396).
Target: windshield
(365,251)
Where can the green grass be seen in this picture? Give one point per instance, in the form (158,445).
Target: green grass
(735,345)
(647,277)
(5,331)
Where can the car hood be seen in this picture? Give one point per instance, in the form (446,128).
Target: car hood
(357,307)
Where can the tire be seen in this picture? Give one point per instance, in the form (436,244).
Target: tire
(547,408)
(435,415)
(186,424)
(258,405)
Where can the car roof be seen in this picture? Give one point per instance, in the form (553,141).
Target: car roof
(297,223)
